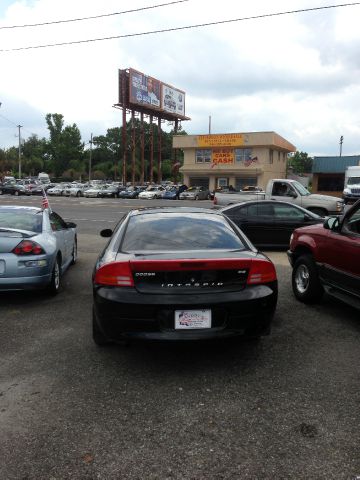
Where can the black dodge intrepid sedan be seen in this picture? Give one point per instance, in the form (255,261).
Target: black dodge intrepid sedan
(180,274)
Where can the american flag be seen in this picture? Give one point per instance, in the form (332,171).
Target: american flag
(45,200)
(249,161)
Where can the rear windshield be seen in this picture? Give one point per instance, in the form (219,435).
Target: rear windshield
(21,219)
(171,231)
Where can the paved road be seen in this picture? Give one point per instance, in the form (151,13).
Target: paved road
(286,408)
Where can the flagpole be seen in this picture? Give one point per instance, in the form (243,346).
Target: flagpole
(45,200)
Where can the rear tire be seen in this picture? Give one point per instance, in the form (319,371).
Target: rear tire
(305,280)
(54,285)
(74,253)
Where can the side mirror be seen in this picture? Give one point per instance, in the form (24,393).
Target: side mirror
(331,223)
(71,225)
(106,233)
(292,194)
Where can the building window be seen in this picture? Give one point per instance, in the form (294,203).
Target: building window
(199,181)
(271,156)
(241,182)
(242,154)
(278,155)
(222,182)
(203,156)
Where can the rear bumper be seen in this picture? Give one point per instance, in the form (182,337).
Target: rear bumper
(24,283)
(129,314)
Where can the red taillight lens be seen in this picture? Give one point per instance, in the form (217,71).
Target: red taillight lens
(261,271)
(117,274)
(28,247)
(215,200)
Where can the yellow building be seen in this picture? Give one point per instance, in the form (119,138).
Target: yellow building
(237,159)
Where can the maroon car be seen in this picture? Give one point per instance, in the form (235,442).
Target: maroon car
(327,258)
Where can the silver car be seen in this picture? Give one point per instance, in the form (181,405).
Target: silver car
(36,247)
(195,193)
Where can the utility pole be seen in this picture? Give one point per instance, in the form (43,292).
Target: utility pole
(19,127)
(341,142)
(90,156)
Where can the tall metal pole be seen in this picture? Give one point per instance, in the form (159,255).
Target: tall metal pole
(142,142)
(123,145)
(175,176)
(151,150)
(90,156)
(133,147)
(159,153)
(19,127)
(341,142)
(123,90)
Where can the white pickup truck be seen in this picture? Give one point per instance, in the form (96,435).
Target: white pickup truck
(285,190)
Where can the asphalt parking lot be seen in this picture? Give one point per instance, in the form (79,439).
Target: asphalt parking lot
(284,408)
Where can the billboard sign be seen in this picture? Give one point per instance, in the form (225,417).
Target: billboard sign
(144,90)
(220,140)
(172,100)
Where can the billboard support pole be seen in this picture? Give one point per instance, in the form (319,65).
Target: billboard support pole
(175,169)
(124,145)
(142,140)
(159,154)
(132,147)
(151,150)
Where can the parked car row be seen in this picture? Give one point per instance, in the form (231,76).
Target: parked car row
(181,273)
(21,187)
(146,192)
(114,190)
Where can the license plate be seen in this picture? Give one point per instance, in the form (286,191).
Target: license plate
(2,266)
(188,319)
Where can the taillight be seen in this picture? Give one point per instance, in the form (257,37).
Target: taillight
(117,274)
(28,247)
(261,271)
(215,200)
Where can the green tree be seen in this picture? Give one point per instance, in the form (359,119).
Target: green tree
(64,145)
(33,155)
(301,163)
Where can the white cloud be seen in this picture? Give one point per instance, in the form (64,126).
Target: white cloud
(295,74)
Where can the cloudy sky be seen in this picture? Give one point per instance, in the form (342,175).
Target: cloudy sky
(296,74)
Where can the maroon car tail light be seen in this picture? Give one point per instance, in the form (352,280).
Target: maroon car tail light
(116,274)
(261,271)
(215,200)
(28,247)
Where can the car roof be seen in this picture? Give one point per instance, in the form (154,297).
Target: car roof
(257,202)
(20,207)
(179,210)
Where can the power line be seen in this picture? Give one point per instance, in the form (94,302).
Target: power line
(16,125)
(10,121)
(188,27)
(92,17)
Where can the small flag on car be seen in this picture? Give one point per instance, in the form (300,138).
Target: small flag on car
(45,200)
